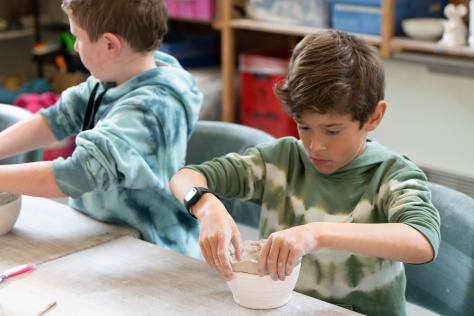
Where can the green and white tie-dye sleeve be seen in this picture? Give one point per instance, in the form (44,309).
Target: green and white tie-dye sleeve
(407,199)
(236,176)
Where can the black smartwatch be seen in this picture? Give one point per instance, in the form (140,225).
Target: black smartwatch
(192,197)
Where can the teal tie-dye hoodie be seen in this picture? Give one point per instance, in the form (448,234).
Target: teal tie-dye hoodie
(120,169)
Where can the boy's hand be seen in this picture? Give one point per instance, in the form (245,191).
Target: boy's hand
(218,230)
(283,249)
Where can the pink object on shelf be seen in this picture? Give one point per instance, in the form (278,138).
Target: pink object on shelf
(186,8)
(192,9)
(172,8)
(34,102)
(205,10)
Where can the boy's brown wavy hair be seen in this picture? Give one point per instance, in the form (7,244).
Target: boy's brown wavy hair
(142,23)
(333,72)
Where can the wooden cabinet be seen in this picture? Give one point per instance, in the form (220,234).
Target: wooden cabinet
(387,43)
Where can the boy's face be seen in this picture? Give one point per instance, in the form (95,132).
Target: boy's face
(332,141)
(93,54)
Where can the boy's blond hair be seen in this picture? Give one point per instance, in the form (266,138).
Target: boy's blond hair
(333,72)
(142,23)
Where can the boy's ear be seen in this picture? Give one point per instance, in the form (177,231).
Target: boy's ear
(377,116)
(113,42)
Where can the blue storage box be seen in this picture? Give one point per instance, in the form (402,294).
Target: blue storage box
(193,49)
(365,16)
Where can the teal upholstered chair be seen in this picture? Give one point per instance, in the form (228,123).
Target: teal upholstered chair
(446,286)
(212,139)
(10,115)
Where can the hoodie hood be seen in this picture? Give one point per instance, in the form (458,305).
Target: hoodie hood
(172,79)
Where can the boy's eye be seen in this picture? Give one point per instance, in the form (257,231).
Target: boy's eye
(332,132)
(303,128)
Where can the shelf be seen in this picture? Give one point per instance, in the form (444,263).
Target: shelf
(399,44)
(289,29)
(6,35)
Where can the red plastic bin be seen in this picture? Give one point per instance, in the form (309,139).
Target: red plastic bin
(259,106)
(192,9)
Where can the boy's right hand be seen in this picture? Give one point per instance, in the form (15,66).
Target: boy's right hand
(218,230)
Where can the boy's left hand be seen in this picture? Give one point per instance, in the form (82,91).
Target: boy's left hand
(283,249)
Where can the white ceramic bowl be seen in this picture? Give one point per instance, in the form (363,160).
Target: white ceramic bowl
(10,205)
(423,28)
(253,291)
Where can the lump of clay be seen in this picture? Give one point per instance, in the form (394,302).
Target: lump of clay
(249,258)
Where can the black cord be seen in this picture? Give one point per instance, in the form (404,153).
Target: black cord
(92,107)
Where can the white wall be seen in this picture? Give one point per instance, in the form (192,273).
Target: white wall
(431,115)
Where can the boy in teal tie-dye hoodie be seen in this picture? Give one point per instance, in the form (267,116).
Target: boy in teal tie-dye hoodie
(132,117)
(353,209)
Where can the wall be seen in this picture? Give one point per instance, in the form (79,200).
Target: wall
(431,115)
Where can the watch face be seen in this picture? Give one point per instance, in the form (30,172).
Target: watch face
(190,194)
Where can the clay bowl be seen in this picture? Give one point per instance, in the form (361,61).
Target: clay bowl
(10,205)
(256,292)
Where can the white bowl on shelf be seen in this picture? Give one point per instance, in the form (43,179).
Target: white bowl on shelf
(10,205)
(262,292)
(429,29)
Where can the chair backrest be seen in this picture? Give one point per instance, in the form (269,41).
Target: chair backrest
(212,139)
(10,115)
(446,286)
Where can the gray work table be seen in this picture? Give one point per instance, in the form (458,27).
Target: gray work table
(47,230)
(128,276)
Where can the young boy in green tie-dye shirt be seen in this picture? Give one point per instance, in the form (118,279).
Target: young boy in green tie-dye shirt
(350,207)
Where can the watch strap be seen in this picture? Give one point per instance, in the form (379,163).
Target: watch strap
(200,191)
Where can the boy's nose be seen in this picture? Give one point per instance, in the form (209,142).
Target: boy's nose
(316,144)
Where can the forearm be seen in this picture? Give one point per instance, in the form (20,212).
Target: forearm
(25,136)
(184,180)
(36,179)
(217,228)
(394,241)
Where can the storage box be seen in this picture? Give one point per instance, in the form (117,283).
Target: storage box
(259,106)
(364,16)
(192,9)
(193,49)
(301,12)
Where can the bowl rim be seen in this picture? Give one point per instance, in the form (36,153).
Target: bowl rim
(422,20)
(17,197)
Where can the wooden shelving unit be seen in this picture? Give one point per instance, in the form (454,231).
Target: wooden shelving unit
(229,26)
(297,30)
(387,43)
